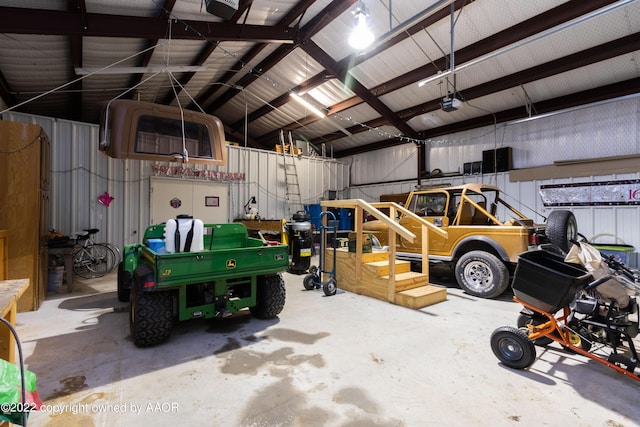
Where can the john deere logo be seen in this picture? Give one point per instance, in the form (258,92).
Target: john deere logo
(231,263)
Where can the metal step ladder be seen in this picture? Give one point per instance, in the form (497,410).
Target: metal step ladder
(294,198)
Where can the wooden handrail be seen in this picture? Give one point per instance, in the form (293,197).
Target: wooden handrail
(409,214)
(371,209)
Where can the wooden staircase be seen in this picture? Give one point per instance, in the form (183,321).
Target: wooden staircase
(410,289)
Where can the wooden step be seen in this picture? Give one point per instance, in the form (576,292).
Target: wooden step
(381,268)
(411,288)
(407,280)
(376,255)
(422,296)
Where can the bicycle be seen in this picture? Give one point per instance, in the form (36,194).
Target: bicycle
(92,259)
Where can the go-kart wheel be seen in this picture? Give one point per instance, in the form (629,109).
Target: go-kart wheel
(513,347)
(329,286)
(309,282)
(580,338)
(532,319)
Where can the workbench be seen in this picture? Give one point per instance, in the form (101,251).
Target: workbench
(10,291)
(264,225)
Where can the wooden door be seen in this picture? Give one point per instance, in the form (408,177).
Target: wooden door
(205,200)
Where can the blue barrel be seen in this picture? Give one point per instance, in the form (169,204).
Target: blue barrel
(314,212)
(345,219)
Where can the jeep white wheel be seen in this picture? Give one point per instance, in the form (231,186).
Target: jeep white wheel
(482,274)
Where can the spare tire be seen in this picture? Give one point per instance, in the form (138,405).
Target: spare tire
(562,227)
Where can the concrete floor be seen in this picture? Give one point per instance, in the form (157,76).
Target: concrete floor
(345,360)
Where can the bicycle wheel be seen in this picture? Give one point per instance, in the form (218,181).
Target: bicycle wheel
(117,257)
(104,260)
(116,251)
(93,261)
(81,261)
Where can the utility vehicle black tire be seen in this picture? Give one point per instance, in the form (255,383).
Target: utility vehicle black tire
(513,347)
(329,286)
(150,317)
(124,283)
(562,227)
(482,274)
(309,282)
(271,295)
(526,319)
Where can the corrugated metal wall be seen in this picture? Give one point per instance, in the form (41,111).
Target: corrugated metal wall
(603,130)
(80,173)
(620,221)
(386,165)
(611,128)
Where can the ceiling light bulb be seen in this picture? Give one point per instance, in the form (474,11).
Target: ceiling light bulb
(361,37)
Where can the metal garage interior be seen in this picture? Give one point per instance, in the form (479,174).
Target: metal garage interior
(556,82)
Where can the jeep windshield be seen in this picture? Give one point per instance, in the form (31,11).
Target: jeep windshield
(481,205)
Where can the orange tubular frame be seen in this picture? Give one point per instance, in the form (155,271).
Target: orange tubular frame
(556,330)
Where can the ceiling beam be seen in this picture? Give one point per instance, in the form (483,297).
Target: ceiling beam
(145,58)
(205,97)
(583,58)
(6,93)
(334,9)
(360,57)
(590,96)
(75,101)
(544,21)
(589,56)
(306,86)
(603,93)
(75,48)
(204,54)
(556,16)
(358,88)
(15,20)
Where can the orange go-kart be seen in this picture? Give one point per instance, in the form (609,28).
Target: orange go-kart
(562,304)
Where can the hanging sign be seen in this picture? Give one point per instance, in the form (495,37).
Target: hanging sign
(179,171)
(605,193)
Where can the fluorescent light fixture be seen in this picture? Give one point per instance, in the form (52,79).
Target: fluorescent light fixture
(81,71)
(434,78)
(319,113)
(529,39)
(304,102)
(361,37)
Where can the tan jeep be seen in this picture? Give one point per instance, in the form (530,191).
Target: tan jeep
(485,234)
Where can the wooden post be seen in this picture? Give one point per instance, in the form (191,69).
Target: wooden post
(391,290)
(358,230)
(425,251)
(10,292)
